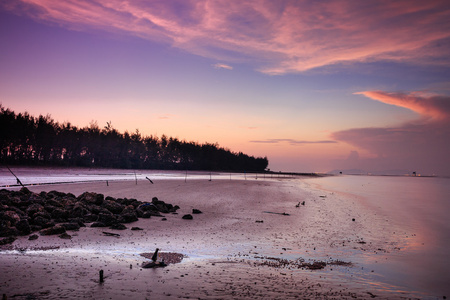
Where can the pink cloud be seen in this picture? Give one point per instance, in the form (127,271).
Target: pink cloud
(430,106)
(223,66)
(277,36)
(422,145)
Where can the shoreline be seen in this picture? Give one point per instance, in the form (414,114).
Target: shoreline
(224,243)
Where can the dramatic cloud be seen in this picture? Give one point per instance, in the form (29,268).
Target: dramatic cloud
(223,66)
(292,141)
(423,145)
(435,107)
(276,36)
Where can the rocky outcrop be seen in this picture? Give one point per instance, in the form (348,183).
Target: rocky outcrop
(23,212)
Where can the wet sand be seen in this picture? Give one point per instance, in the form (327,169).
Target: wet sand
(240,247)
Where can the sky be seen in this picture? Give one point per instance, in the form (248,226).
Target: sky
(314,86)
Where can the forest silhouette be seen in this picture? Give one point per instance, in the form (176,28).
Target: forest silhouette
(28,140)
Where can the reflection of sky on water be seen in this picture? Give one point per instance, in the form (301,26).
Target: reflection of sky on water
(412,216)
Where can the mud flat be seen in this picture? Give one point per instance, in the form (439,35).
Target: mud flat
(254,239)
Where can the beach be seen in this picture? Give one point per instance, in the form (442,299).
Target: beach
(256,238)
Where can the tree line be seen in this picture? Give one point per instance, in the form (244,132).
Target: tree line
(28,140)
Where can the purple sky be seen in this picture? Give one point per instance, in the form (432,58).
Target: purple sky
(314,86)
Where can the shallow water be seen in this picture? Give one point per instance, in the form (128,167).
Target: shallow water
(415,211)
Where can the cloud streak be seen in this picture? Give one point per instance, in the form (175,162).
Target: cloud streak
(223,66)
(292,141)
(276,36)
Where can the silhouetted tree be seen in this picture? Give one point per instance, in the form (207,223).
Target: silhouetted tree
(42,141)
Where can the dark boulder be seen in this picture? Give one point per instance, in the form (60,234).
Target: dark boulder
(33,209)
(196,211)
(98,224)
(107,219)
(188,217)
(112,206)
(90,218)
(118,226)
(57,229)
(78,211)
(147,215)
(8,240)
(10,216)
(91,198)
(128,215)
(60,215)
(33,237)
(42,222)
(23,227)
(70,226)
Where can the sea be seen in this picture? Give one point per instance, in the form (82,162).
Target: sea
(417,207)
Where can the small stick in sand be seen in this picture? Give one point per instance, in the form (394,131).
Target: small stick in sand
(111,234)
(149,179)
(270,212)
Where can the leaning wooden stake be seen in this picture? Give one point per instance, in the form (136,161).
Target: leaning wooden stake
(17,178)
(155,255)
(101,276)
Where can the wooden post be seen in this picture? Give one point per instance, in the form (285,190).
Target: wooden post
(101,276)
(135,177)
(155,255)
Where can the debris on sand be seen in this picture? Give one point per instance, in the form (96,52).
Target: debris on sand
(299,263)
(164,259)
(276,213)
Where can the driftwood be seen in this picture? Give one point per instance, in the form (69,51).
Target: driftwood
(276,213)
(149,179)
(111,234)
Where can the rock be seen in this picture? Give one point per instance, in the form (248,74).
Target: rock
(118,226)
(11,216)
(78,211)
(90,218)
(71,226)
(33,209)
(24,190)
(8,240)
(147,215)
(42,222)
(60,215)
(65,236)
(112,206)
(33,237)
(107,219)
(24,227)
(91,198)
(57,229)
(188,217)
(6,230)
(98,224)
(136,228)
(196,211)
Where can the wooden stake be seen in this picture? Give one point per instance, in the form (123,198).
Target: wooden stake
(101,276)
